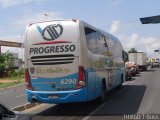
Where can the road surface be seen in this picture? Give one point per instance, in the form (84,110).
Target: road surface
(13,96)
(141,95)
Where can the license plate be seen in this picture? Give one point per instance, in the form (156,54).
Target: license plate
(53,96)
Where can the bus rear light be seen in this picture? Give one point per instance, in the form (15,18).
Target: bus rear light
(81,78)
(27,80)
(82,83)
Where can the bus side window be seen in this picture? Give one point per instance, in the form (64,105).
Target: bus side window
(105,44)
(91,39)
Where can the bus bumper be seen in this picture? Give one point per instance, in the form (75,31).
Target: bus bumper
(57,97)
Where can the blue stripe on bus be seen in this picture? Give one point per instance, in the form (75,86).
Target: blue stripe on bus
(52,84)
(39,28)
(62,96)
(91,91)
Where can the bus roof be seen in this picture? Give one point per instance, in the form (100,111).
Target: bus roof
(85,23)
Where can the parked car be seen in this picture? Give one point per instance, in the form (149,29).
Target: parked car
(137,68)
(128,71)
(134,68)
(156,64)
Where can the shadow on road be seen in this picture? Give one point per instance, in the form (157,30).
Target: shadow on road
(131,79)
(134,77)
(150,70)
(125,102)
(119,102)
(71,109)
(137,75)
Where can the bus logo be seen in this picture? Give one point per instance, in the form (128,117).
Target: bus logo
(52,32)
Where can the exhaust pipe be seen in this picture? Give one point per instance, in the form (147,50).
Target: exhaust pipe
(34,99)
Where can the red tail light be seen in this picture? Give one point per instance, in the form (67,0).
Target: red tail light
(27,79)
(81,78)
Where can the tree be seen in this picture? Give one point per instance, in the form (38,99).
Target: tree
(6,63)
(132,50)
(9,60)
(2,64)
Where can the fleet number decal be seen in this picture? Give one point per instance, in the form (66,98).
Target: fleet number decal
(68,81)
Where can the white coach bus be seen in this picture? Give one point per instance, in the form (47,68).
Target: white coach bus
(71,61)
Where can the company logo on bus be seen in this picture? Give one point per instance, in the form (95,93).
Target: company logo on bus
(52,32)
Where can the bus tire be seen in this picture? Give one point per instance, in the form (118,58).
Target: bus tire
(127,77)
(121,86)
(103,92)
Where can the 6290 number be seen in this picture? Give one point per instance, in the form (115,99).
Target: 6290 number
(68,81)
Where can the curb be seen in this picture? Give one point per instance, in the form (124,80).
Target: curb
(12,86)
(25,106)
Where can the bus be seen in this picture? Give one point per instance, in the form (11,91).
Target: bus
(71,61)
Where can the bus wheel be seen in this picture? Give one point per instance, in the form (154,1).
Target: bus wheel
(121,86)
(103,92)
(102,97)
(126,76)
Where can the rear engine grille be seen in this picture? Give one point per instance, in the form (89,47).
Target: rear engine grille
(52,59)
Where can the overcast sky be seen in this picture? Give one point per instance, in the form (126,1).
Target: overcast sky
(118,17)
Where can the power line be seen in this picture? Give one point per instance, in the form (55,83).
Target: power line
(123,23)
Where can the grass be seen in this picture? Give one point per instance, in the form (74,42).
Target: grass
(11,81)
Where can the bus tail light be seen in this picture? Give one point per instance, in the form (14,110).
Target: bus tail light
(27,80)
(81,78)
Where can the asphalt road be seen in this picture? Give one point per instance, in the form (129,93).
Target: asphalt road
(13,96)
(140,95)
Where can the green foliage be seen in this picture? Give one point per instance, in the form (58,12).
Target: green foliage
(19,73)
(11,73)
(2,67)
(6,63)
(9,60)
(132,50)
(2,64)
(3,85)
(16,73)
(2,57)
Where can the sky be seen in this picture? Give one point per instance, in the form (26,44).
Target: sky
(118,17)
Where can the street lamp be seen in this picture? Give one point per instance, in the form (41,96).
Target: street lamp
(150,20)
(46,14)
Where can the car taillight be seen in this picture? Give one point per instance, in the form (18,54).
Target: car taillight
(81,78)
(27,79)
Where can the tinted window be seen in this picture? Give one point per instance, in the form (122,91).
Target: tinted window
(103,46)
(96,42)
(91,38)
